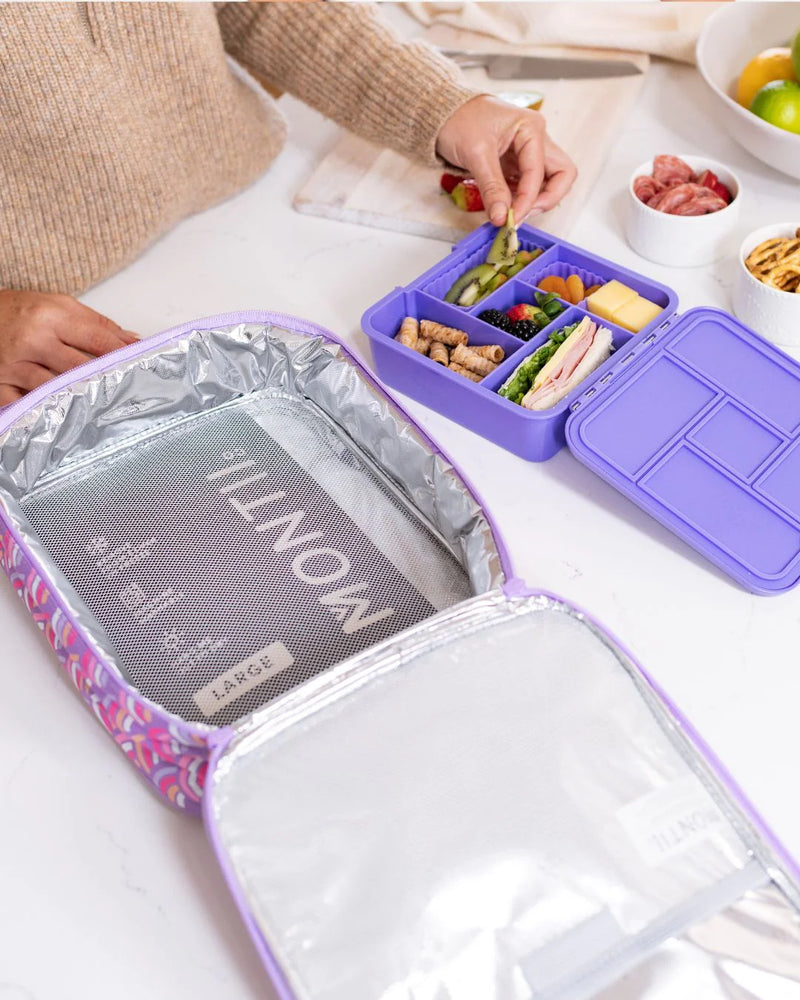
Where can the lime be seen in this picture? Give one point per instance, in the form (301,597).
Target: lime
(779,104)
(796,55)
(769,65)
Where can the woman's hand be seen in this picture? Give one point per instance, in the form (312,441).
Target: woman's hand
(43,335)
(496,143)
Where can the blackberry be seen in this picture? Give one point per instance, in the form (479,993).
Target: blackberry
(525,329)
(496,318)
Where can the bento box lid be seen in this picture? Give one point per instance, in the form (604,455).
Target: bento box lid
(445,816)
(699,425)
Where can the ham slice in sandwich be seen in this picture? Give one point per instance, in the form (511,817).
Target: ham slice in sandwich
(585,349)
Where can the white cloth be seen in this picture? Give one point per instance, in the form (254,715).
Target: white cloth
(662,29)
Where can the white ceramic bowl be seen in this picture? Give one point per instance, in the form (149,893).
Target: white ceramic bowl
(772,313)
(683,240)
(729,40)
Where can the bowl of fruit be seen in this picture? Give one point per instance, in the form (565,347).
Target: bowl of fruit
(749,55)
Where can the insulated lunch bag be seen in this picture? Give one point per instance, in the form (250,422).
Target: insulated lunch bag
(421,779)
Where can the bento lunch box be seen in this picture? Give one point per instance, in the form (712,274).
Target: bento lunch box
(420,778)
(696,418)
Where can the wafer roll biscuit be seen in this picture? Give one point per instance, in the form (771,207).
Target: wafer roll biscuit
(444,334)
(469,359)
(409,332)
(439,353)
(492,352)
(422,345)
(461,370)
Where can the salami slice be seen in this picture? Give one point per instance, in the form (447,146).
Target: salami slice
(687,199)
(669,199)
(671,170)
(646,187)
(701,204)
(673,198)
(691,207)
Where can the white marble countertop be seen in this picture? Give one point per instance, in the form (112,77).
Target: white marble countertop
(105,891)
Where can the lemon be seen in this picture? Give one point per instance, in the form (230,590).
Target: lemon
(769,65)
(778,103)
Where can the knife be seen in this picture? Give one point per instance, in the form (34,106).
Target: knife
(502,66)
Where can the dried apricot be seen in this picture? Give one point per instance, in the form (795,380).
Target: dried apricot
(575,290)
(552,283)
(591,290)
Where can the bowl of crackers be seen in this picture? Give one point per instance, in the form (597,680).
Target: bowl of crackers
(766,293)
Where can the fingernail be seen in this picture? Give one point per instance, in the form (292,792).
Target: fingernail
(498,213)
(130,336)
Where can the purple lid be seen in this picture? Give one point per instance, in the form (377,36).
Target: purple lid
(699,424)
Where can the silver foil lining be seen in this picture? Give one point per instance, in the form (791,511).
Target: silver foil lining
(116,413)
(493,807)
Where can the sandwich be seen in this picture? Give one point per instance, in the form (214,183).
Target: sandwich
(556,368)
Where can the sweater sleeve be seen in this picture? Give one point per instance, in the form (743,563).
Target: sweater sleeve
(341,60)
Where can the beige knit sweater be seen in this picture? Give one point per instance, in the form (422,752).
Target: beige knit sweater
(117,120)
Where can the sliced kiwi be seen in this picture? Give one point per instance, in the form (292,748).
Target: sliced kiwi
(526,256)
(505,246)
(466,289)
(499,279)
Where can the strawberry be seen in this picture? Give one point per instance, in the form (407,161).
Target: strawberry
(448,181)
(467,196)
(710,180)
(521,312)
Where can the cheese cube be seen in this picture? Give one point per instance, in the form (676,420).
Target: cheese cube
(608,299)
(636,314)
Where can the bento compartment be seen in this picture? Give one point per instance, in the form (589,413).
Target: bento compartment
(457,263)
(237,514)
(386,319)
(572,314)
(564,260)
(513,293)
(552,266)
(536,827)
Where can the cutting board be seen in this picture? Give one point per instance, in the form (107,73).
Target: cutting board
(360,182)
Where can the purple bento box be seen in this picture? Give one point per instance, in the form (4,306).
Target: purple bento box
(696,418)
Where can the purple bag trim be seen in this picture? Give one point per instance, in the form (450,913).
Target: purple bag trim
(172,755)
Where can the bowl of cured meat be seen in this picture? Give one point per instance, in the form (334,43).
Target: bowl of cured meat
(683,210)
